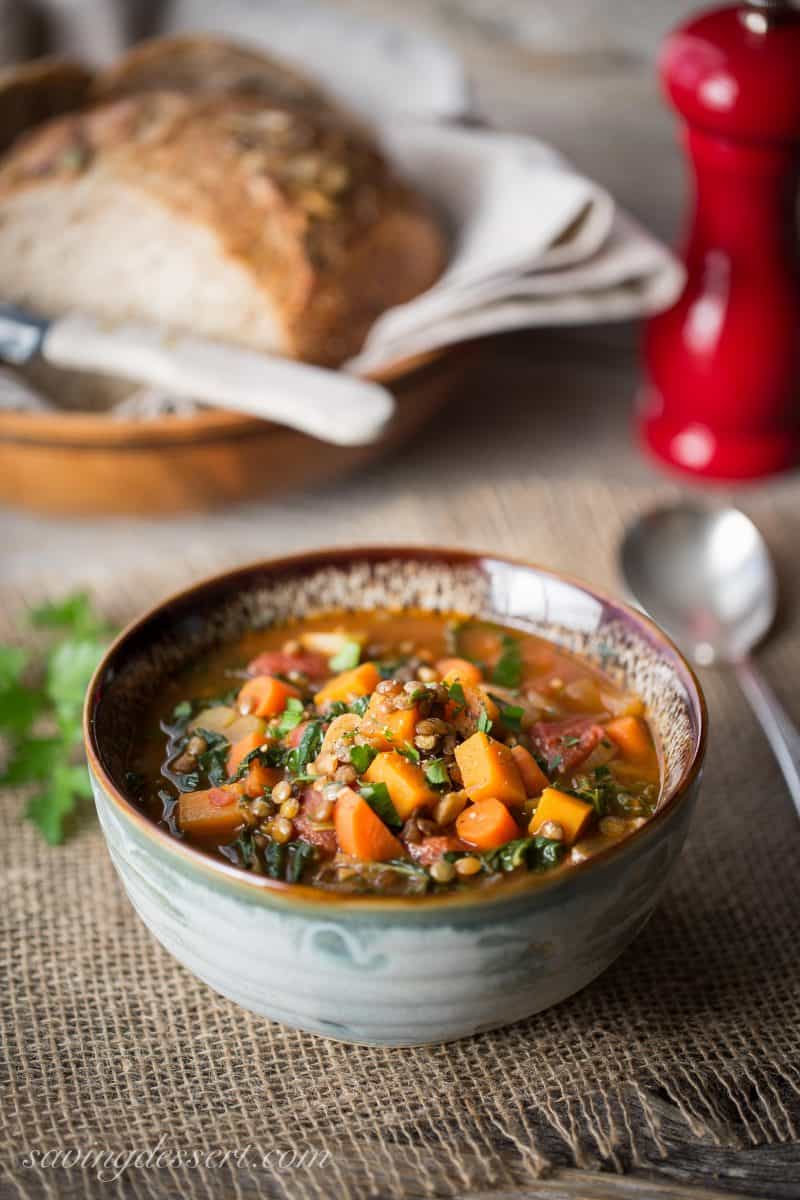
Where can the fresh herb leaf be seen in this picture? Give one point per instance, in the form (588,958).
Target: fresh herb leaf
(456,694)
(436,772)
(50,808)
(291,716)
(359,706)
(510,714)
(361,757)
(484,721)
(74,615)
(508,668)
(570,740)
(32,759)
(410,752)
(346,658)
(182,712)
(55,699)
(378,798)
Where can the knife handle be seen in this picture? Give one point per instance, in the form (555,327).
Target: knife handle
(327,404)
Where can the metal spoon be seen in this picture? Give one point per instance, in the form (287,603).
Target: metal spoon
(706,575)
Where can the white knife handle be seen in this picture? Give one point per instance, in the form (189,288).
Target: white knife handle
(331,405)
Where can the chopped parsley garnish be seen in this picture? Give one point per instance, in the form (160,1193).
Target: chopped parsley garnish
(359,706)
(456,694)
(510,714)
(378,798)
(346,658)
(508,668)
(361,757)
(436,772)
(485,722)
(291,716)
(410,752)
(183,711)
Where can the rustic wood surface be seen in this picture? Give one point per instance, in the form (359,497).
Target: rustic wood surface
(551,404)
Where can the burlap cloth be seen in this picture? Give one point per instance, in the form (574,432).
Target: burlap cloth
(690,1043)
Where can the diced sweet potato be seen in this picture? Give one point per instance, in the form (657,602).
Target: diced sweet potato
(350,685)
(631,737)
(488,770)
(459,668)
(360,832)
(240,750)
(265,696)
(386,728)
(214,813)
(405,781)
(486,824)
(259,777)
(532,774)
(572,814)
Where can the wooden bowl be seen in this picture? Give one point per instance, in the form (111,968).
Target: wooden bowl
(87,462)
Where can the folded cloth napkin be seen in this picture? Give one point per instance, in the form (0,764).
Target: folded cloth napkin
(533,243)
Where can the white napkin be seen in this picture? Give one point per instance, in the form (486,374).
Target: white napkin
(533,243)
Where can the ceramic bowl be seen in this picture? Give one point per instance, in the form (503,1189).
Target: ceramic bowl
(394,972)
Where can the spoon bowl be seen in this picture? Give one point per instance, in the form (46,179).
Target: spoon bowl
(706,575)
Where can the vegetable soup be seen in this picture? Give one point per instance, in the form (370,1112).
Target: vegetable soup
(396,753)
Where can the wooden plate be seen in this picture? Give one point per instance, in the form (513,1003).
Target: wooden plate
(79,462)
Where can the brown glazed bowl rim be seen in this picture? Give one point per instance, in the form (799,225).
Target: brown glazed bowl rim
(305,897)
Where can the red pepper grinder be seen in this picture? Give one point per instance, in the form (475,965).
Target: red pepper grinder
(722,399)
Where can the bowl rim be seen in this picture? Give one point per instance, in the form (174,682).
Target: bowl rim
(305,897)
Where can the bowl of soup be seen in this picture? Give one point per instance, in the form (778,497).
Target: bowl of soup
(394,796)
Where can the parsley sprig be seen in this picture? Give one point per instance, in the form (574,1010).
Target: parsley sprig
(40,711)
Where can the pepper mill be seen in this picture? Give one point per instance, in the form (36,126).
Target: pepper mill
(722,396)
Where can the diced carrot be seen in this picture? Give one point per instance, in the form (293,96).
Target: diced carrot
(486,824)
(265,696)
(211,813)
(259,777)
(631,736)
(459,668)
(348,686)
(405,782)
(240,750)
(572,814)
(488,770)
(532,774)
(360,832)
(386,728)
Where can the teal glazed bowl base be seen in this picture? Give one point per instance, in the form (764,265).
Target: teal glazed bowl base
(378,971)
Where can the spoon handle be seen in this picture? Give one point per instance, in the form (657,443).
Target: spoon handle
(781,732)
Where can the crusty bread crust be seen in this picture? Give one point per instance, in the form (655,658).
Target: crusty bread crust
(296,194)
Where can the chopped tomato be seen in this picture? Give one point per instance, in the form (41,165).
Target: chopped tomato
(431,849)
(275,662)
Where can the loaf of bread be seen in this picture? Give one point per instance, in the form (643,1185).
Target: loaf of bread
(208,189)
